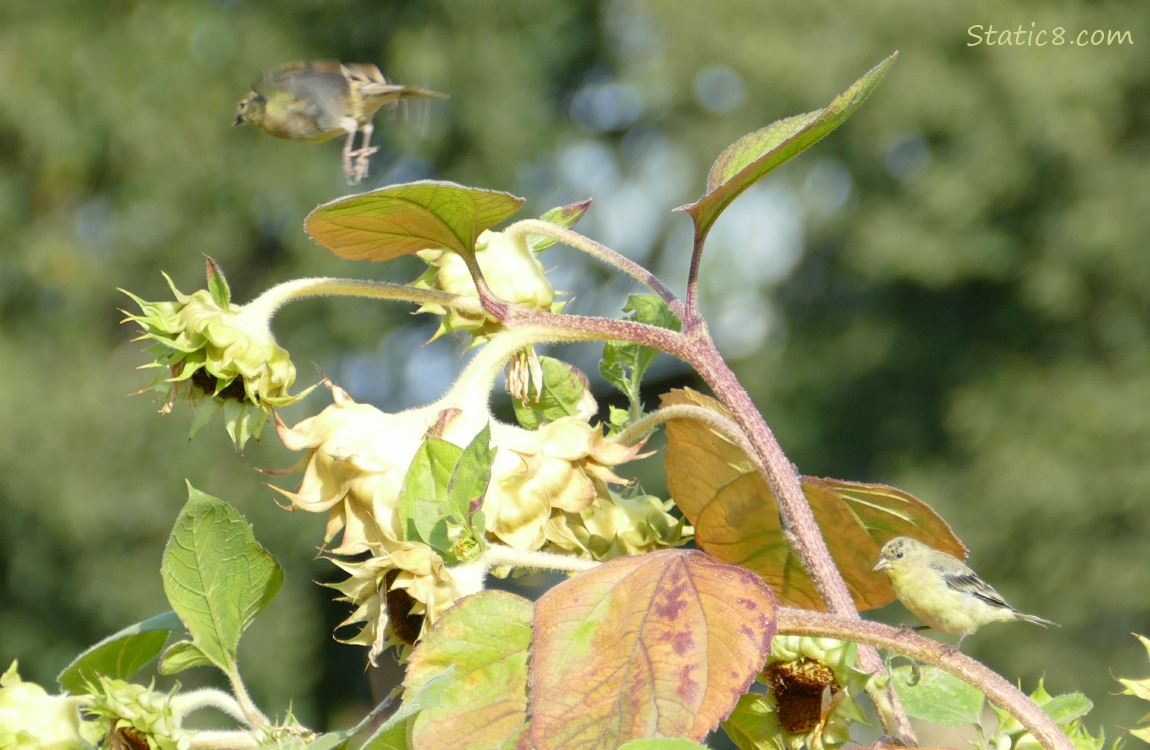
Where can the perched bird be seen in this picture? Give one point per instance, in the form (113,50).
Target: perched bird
(942,591)
(322,100)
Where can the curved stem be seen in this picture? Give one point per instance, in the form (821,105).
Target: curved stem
(270,301)
(185,703)
(255,717)
(601,253)
(804,622)
(223,740)
(718,422)
(473,385)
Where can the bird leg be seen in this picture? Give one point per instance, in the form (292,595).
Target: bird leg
(348,173)
(363,155)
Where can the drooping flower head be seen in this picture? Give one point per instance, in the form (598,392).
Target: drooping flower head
(217,352)
(510,268)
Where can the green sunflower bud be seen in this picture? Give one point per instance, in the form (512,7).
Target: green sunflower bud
(137,716)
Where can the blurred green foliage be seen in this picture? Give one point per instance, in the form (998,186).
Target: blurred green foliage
(951,294)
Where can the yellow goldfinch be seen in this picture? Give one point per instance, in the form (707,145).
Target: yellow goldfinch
(942,591)
(322,100)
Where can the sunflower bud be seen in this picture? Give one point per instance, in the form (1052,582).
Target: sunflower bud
(138,715)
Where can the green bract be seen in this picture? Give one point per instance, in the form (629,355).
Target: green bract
(124,707)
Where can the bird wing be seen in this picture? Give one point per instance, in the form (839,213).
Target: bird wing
(963,580)
(316,90)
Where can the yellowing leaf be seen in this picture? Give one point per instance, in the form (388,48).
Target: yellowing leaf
(653,645)
(403,219)
(736,516)
(485,638)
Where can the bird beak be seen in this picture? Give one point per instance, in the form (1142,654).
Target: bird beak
(881,564)
(239,119)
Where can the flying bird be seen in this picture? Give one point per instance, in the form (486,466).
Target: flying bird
(318,101)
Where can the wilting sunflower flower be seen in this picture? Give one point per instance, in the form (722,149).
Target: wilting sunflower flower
(812,683)
(219,352)
(399,591)
(30,717)
(617,525)
(565,466)
(357,459)
(509,267)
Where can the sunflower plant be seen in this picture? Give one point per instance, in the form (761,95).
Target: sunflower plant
(646,643)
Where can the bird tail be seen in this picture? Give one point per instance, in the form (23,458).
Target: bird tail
(1037,620)
(369,81)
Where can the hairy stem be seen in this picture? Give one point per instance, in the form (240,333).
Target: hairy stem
(270,301)
(497,555)
(796,517)
(713,419)
(804,622)
(693,317)
(255,717)
(194,700)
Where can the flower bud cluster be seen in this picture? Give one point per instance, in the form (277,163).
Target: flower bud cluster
(137,715)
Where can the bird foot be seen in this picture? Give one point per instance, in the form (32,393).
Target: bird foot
(362,159)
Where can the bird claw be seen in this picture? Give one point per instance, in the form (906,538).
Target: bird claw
(355,164)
